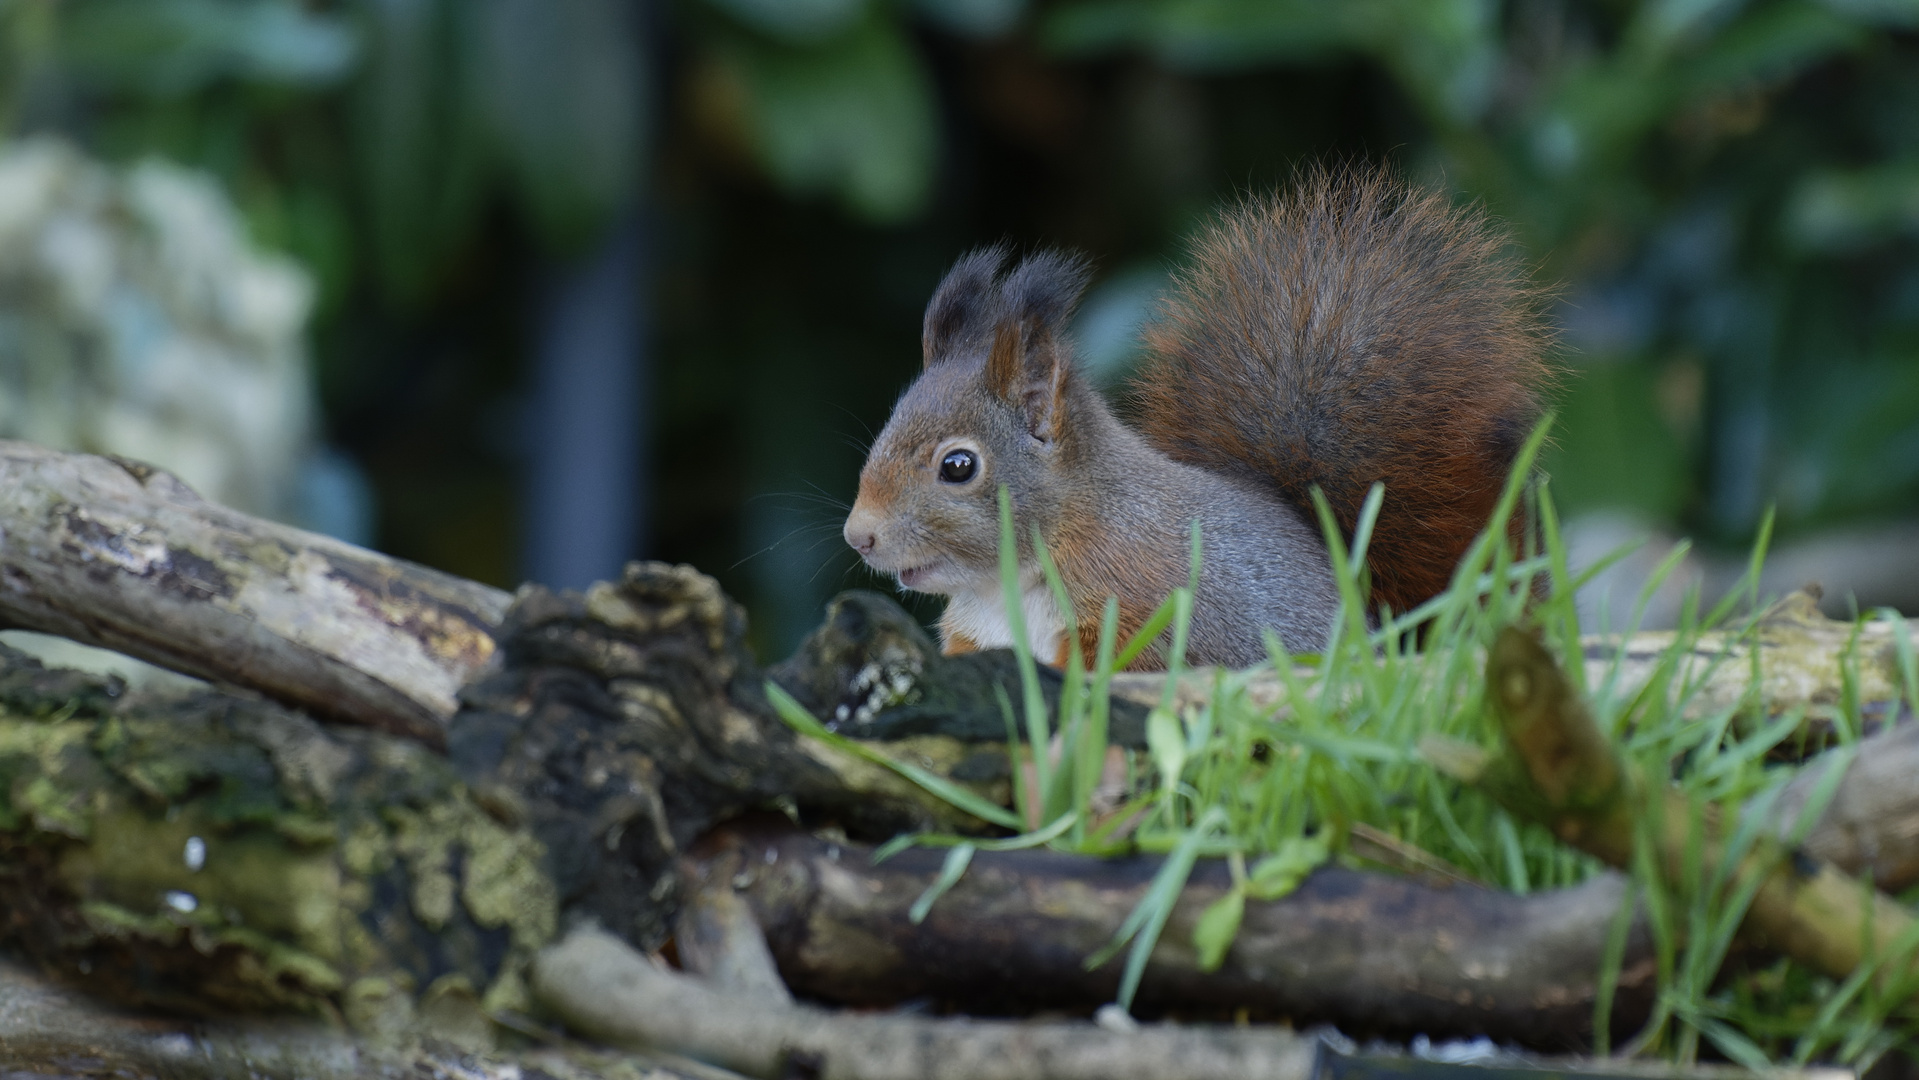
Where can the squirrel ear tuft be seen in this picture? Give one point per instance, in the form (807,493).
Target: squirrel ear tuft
(1029,362)
(966,304)
(1045,288)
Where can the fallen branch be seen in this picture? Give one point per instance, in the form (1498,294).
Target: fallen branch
(47,1030)
(1871,824)
(1370,952)
(1806,661)
(599,986)
(871,672)
(121,555)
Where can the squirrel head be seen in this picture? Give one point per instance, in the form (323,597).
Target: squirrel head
(994,405)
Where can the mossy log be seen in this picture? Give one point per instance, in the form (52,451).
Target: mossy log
(214,852)
(48,1030)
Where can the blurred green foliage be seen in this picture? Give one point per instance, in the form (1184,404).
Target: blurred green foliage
(1725,192)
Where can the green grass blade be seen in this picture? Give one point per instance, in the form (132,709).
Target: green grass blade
(950,873)
(805,723)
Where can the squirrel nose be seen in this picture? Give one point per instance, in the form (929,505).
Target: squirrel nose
(859,535)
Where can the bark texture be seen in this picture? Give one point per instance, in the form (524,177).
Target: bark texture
(601,986)
(1373,953)
(122,555)
(626,721)
(211,853)
(47,1030)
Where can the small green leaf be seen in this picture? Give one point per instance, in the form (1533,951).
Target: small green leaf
(1280,873)
(1167,742)
(950,872)
(1217,926)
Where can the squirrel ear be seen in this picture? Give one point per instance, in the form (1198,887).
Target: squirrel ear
(965,305)
(1028,368)
(1029,364)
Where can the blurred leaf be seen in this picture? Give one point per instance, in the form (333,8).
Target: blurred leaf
(179,46)
(974,18)
(1101,26)
(1446,52)
(563,93)
(1214,35)
(1839,211)
(1774,42)
(1663,23)
(854,118)
(1167,744)
(1900,13)
(1216,927)
(1278,874)
(418,142)
(1611,447)
(796,21)
(1600,113)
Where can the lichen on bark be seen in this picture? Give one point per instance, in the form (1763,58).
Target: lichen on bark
(211,852)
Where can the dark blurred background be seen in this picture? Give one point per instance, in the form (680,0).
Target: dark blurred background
(596,279)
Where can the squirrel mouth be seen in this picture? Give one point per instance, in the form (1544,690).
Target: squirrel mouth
(914,577)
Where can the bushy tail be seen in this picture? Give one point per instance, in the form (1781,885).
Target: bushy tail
(1388,338)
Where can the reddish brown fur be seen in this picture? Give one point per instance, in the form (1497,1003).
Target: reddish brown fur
(1348,331)
(1096,563)
(956,644)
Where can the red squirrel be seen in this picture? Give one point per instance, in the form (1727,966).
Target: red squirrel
(1351,330)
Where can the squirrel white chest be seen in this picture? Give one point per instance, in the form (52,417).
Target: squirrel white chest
(980,616)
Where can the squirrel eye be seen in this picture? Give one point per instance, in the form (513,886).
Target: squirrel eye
(958,466)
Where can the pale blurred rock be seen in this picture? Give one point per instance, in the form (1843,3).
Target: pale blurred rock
(137,319)
(1856,569)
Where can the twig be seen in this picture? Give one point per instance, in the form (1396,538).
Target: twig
(605,989)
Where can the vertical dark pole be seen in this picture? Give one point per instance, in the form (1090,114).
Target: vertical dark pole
(587,438)
(586,471)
